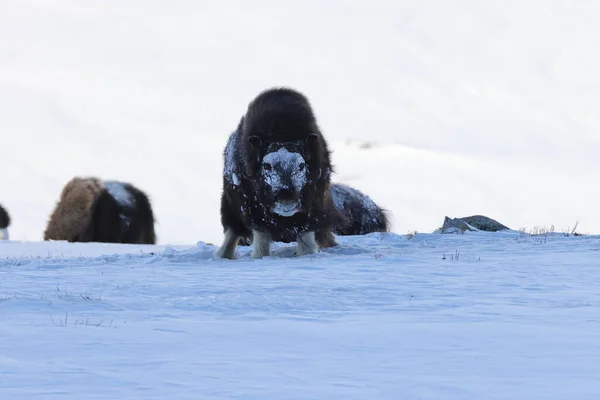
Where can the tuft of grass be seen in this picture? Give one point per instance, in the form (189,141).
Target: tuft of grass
(453,257)
(572,232)
(544,231)
(84,322)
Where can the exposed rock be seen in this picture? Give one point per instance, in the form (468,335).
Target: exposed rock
(473,223)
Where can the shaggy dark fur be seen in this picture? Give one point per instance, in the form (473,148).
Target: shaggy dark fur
(364,214)
(278,119)
(4,218)
(91,210)
(114,222)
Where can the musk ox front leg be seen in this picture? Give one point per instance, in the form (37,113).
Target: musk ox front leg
(306,244)
(227,250)
(262,244)
(233,226)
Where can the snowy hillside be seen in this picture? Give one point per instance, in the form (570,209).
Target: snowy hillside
(437,317)
(470,107)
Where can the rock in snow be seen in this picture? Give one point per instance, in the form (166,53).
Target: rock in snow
(472,223)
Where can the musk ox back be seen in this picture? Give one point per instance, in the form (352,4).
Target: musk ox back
(4,223)
(92,210)
(276,178)
(363,214)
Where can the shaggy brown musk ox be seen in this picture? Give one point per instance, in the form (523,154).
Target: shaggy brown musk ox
(92,210)
(276,178)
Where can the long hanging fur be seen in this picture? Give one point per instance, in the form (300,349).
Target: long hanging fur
(92,210)
(362,214)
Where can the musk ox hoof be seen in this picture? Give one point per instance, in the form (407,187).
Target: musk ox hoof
(227,250)
(223,252)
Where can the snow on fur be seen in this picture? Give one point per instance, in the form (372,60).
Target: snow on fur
(120,193)
(284,160)
(363,214)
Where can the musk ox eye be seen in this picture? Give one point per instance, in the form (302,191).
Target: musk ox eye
(267,166)
(301,167)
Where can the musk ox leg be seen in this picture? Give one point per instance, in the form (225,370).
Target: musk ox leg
(325,238)
(262,244)
(227,250)
(307,244)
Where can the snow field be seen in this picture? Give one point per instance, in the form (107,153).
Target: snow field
(503,316)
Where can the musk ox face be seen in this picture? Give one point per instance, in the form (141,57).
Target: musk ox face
(285,173)
(283,176)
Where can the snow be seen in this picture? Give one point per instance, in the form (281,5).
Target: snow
(475,316)
(286,208)
(466,107)
(432,108)
(235,179)
(285,165)
(118,191)
(229,160)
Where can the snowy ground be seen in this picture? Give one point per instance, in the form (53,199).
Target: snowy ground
(440,317)
(471,107)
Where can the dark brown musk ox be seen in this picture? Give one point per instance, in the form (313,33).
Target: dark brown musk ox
(93,210)
(4,223)
(276,178)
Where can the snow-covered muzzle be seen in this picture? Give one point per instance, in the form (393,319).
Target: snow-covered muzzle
(284,175)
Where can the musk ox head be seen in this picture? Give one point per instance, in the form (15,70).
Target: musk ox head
(285,153)
(284,175)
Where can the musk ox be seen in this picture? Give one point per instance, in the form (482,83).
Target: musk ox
(4,223)
(276,178)
(93,210)
(363,214)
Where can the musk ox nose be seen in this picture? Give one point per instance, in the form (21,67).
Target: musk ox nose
(285,195)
